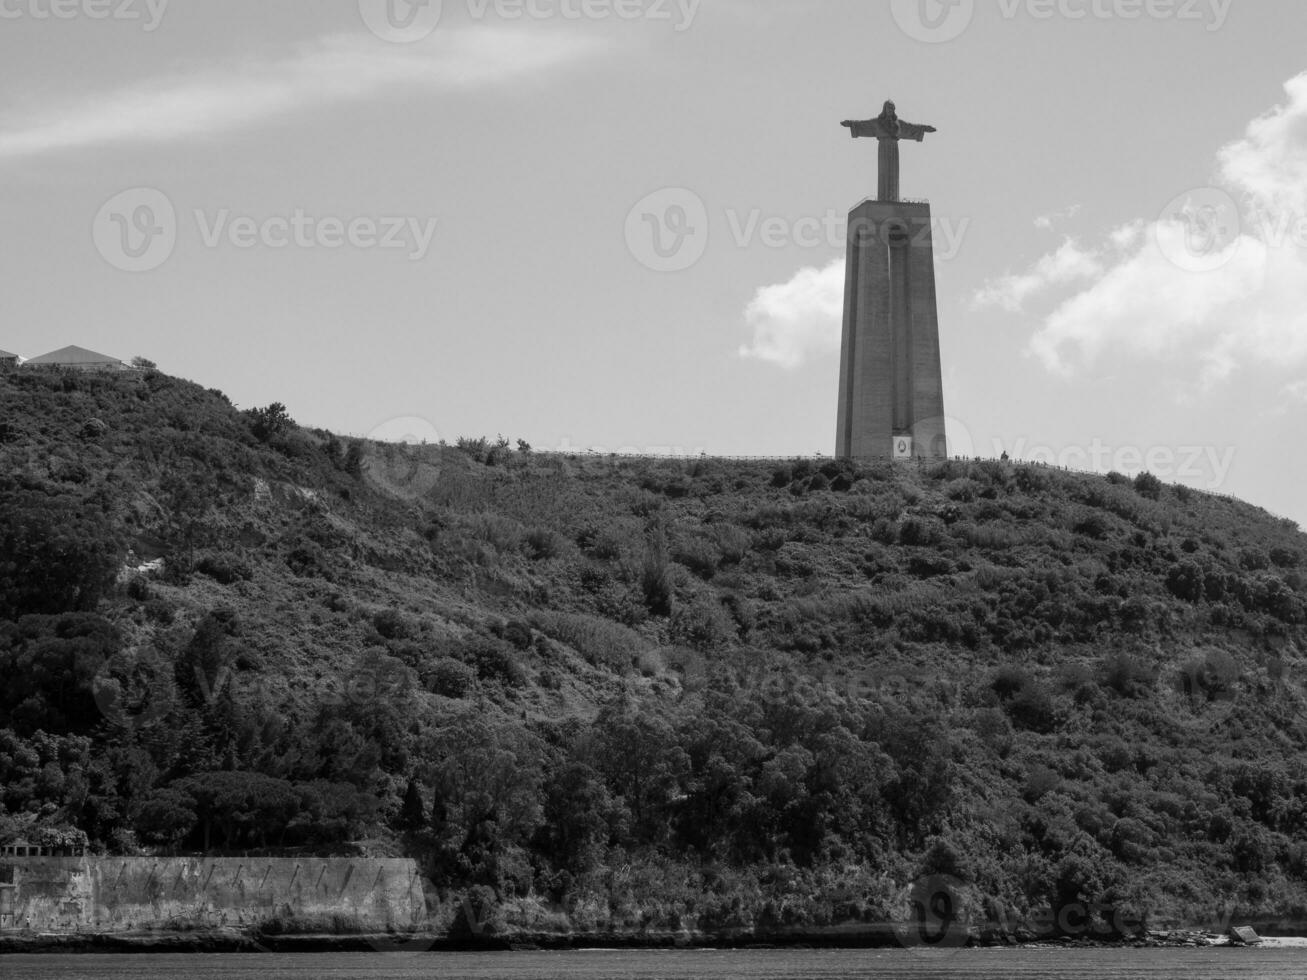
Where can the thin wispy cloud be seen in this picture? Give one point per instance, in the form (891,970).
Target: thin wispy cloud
(1067,264)
(217,98)
(1046,222)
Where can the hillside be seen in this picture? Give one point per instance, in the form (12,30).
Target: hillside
(607,694)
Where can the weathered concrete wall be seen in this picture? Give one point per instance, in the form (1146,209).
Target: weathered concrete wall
(121,894)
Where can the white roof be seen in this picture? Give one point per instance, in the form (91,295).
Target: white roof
(73,355)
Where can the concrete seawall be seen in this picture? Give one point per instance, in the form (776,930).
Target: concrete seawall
(107,894)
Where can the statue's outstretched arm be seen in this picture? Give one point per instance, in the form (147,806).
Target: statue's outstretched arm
(914,131)
(864,127)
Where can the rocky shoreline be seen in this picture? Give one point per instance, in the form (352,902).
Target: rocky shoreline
(862,937)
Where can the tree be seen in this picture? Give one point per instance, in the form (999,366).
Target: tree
(187,507)
(413,814)
(487,783)
(50,665)
(167,817)
(354,457)
(268,422)
(143,364)
(243,808)
(57,553)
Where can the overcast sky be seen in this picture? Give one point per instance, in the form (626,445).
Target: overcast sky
(618,223)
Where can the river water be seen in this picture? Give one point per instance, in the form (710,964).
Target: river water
(990,964)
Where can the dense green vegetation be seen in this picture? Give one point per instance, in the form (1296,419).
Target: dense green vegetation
(623,694)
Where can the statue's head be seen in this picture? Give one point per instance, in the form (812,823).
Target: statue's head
(890,109)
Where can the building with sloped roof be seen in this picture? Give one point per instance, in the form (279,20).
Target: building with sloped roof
(77,359)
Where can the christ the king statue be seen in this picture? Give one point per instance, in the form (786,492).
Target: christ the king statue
(888,129)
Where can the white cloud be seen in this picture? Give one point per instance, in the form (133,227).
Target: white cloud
(337,68)
(793,321)
(1127,235)
(1067,264)
(1147,306)
(1270,162)
(1045,222)
(1213,312)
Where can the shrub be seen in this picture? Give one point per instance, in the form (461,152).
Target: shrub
(541,544)
(1147,485)
(1125,675)
(919,532)
(699,555)
(225,569)
(733,542)
(1185,581)
(159,611)
(449,678)
(268,422)
(492,662)
(597,640)
(391,624)
(515,632)
(656,579)
(1092,526)
(702,625)
(1010,681)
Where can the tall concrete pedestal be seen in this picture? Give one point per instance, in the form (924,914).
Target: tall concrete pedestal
(891,385)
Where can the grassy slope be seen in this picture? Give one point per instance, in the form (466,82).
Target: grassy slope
(1110,686)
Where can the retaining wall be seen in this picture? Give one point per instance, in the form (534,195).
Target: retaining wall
(105,894)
